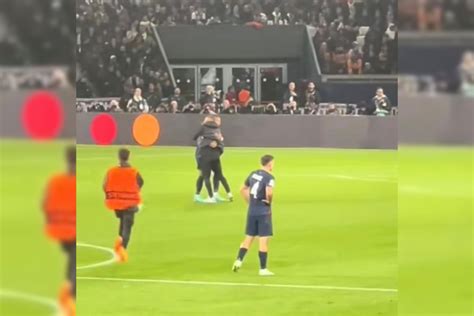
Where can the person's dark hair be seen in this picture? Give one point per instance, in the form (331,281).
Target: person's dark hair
(265,160)
(71,155)
(124,154)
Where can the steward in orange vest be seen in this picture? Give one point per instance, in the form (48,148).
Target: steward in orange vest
(122,185)
(59,207)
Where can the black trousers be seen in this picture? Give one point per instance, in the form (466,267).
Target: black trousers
(69,248)
(206,168)
(127,218)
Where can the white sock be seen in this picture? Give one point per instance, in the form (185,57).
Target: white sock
(229,194)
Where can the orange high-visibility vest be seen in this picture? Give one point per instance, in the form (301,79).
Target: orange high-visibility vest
(121,188)
(60,207)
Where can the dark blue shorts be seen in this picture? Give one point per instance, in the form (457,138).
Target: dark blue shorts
(259,225)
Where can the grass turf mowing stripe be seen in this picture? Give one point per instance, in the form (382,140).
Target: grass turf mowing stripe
(291,286)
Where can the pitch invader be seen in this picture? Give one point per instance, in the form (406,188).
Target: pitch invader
(258,193)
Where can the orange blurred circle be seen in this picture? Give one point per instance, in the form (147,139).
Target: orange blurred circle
(146,129)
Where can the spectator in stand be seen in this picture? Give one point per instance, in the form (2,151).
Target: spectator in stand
(312,98)
(208,97)
(231,95)
(173,107)
(430,14)
(245,100)
(179,99)
(339,61)
(114,106)
(324,57)
(190,108)
(167,89)
(228,108)
(290,96)
(381,103)
(466,74)
(354,59)
(137,103)
(368,68)
(153,96)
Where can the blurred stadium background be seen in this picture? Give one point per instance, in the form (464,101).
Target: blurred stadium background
(435,177)
(36,60)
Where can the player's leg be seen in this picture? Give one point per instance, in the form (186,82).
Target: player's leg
(199,182)
(244,247)
(67,294)
(216,183)
(199,185)
(206,173)
(69,249)
(119,240)
(263,254)
(128,220)
(265,230)
(216,179)
(251,230)
(219,177)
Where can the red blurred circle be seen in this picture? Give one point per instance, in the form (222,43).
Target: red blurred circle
(42,115)
(103,129)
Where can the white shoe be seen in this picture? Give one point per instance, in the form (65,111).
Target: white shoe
(265,272)
(218,198)
(210,200)
(237,265)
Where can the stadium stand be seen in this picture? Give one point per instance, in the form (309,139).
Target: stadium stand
(118,46)
(436,15)
(44,37)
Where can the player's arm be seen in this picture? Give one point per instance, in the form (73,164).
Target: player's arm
(268,195)
(140,181)
(245,192)
(269,192)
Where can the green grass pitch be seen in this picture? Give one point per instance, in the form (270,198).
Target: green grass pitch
(335,225)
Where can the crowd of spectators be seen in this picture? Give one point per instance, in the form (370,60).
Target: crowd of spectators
(117,51)
(436,15)
(295,100)
(356,36)
(37,33)
(19,78)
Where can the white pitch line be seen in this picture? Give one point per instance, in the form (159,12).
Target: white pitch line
(236,284)
(112,260)
(33,298)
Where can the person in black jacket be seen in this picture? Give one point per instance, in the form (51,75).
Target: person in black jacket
(311,98)
(209,148)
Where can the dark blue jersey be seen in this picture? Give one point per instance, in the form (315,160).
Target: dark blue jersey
(257,182)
